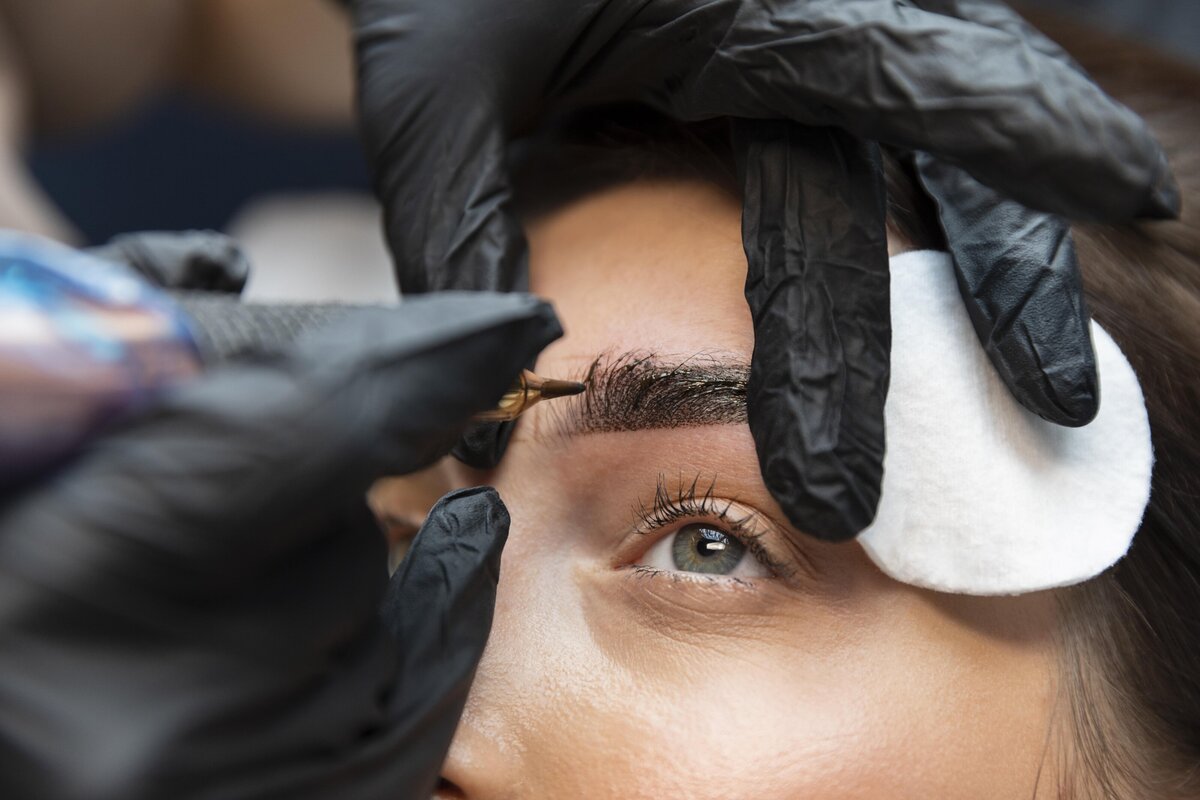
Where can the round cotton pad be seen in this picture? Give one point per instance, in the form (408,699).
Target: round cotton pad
(981,496)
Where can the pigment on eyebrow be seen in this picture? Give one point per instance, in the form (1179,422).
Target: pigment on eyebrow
(639,391)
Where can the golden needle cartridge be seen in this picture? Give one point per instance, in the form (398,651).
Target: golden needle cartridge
(528,390)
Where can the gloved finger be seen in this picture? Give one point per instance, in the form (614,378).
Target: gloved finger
(438,150)
(483,444)
(200,260)
(1016,267)
(389,719)
(325,693)
(251,463)
(438,607)
(986,99)
(1020,281)
(264,684)
(818,290)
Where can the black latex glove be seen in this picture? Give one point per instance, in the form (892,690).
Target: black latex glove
(819,289)
(191,608)
(445,86)
(1016,266)
(197,260)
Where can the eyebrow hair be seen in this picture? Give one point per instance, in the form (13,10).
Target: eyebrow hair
(635,391)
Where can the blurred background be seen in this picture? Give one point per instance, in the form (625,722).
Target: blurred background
(1172,25)
(142,115)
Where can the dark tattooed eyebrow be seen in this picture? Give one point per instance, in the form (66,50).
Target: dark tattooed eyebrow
(639,391)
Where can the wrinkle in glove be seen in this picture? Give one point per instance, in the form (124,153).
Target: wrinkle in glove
(818,290)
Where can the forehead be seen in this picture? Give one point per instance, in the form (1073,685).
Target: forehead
(644,266)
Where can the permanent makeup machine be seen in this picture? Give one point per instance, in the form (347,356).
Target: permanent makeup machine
(82,339)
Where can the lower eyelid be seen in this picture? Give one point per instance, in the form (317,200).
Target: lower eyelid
(641,571)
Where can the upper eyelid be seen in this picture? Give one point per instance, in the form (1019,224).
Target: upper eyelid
(686,503)
(665,511)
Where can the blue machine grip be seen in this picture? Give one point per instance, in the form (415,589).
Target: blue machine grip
(82,340)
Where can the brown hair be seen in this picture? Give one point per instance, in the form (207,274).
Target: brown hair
(1130,638)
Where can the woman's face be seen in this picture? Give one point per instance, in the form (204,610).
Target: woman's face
(660,630)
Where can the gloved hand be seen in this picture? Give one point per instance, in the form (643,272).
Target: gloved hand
(820,296)
(195,260)
(444,87)
(191,606)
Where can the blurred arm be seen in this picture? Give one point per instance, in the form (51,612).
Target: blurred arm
(290,61)
(69,66)
(22,204)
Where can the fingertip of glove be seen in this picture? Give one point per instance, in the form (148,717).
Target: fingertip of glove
(829,521)
(454,563)
(847,512)
(530,322)
(545,326)
(829,524)
(1050,368)
(1053,375)
(471,515)
(820,493)
(484,499)
(231,270)
(482,445)
(1165,200)
(1071,400)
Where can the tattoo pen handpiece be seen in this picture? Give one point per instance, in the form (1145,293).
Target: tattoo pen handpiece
(525,392)
(88,339)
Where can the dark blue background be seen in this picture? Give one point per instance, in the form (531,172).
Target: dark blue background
(180,164)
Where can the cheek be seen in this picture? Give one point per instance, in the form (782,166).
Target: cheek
(592,707)
(591,696)
(597,684)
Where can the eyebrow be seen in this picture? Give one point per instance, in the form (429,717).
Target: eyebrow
(636,391)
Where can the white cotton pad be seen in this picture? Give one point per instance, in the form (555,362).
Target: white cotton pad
(981,496)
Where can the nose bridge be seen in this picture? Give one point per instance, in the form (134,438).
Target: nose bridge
(486,758)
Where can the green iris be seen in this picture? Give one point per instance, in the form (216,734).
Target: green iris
(699,548)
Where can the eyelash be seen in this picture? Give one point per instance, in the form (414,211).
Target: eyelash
(688,502)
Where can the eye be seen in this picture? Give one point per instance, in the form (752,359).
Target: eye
(706,550)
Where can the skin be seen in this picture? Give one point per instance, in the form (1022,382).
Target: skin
(827,680)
